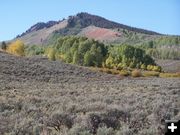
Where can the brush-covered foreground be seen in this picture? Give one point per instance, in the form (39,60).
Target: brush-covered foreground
(38,96)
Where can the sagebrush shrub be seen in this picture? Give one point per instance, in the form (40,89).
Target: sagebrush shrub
(105,131)
(78,130)
(94,120)
(59,120)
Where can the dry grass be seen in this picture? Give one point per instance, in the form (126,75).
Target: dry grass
(150,73)
(166,75)
(136,73)
(105,70)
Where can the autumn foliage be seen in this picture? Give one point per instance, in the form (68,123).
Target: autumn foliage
(16,48)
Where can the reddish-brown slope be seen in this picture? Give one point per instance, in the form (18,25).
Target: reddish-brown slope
(100,33)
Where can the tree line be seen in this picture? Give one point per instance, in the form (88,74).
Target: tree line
(163,48)
(87,52)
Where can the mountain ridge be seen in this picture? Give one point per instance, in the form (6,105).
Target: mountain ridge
(41,32)
(102,22)
(39,26)
(86,16)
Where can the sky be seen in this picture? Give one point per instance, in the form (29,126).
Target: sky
(162,16)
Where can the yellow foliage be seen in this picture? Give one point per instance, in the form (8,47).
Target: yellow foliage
(119,66)
(154,68)
(51,54)
(124,72)
(16,48)
(109,62)
(157,68)
(150,67)
(143,67)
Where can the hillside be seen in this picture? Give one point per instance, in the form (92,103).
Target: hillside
(85,19)
(44,97)
(102,34)
(40,69)
(41,33)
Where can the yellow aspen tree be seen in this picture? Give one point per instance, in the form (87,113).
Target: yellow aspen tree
(16,48)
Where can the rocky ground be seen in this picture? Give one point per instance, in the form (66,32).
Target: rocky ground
(38,96)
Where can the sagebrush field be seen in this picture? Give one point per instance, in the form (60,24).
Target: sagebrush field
(42,97)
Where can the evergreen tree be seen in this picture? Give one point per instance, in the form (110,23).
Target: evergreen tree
(4,45)
(88,59)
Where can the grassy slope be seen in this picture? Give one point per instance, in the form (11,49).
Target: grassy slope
(41,36)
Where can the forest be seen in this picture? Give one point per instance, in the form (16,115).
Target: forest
(88,52)
(163,47)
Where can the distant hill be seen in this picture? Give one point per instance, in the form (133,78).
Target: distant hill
(84,24)
(39,33)
(85,20)
(39,26)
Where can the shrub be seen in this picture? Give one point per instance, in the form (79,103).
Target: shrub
(34,50)
(119,115)
(132,65)
(143,66)
(78,130)
(59,120)
(156,68)
(105,131)
(124,72)
(94,120)
(178,73)
(24,127)
(114,71)
(109,62)
(150,67)
(136,73)
(111,118)
(120,66)
(149,131)
(125,130)
(16,48)
(51,54)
